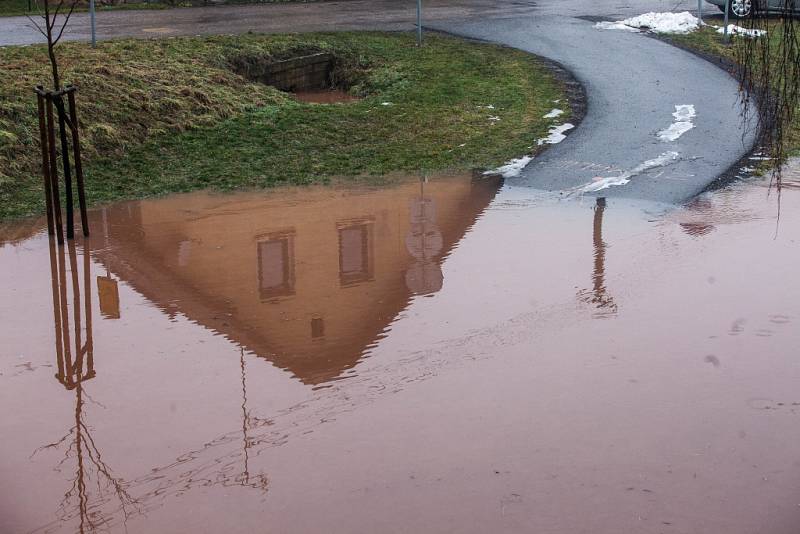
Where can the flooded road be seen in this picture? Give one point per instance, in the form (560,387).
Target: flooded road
(445,355)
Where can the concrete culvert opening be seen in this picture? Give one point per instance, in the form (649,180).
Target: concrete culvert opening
(309,74)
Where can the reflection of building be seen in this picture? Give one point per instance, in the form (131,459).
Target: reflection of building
(308,279)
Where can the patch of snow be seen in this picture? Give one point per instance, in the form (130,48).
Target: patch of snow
(683,123)
(490,106)
(512,168)
(556,134)
(386,104)
(553,113)
(683,22)
(733,29)
(600,182)
(494,118)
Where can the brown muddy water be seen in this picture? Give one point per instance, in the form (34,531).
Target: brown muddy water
(444,356)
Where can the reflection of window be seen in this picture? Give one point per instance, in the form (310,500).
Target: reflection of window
(317,327)
(355,252)
(276,265)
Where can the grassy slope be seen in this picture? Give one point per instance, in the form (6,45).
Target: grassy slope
(168,115)
(708,41)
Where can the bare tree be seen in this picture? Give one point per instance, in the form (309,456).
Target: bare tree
(52,27)
(770,75)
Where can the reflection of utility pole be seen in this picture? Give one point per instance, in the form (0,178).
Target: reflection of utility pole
(598,295)
(245,420)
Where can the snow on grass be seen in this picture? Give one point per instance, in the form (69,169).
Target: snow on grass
(512,168)
(600,182)
(733,29)
(553,113)
(683,22)
(556,134)
(684,114)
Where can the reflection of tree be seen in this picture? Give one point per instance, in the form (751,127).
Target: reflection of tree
(598,295)
(94,483)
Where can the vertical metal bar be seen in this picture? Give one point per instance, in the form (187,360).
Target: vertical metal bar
(45,164)
(419,22)
(727,10)
(62,128)
(700,11)
(51,143)
(92,21)
(76,152)
(87,304)
(62,289)
(76,309)
(56,310)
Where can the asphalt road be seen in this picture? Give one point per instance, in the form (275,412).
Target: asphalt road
(320,16)
(633,82)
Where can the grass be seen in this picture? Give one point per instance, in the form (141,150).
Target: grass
(708,41)
(170,115)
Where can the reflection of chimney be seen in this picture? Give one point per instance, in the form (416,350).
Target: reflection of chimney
(424,242)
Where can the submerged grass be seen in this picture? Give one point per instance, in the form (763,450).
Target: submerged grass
(170,115)
(707,41)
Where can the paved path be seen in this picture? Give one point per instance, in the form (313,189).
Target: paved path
(319,16)
(633,83)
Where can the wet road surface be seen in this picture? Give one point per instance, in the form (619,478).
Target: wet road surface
(319,16)
(452,355)
(661,123)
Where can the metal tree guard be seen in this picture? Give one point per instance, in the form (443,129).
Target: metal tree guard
(67,118)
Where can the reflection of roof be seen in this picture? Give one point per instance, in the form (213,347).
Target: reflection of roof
(13,232)
(144,268)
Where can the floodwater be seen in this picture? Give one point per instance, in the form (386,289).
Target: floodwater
(444,355)
(325,96)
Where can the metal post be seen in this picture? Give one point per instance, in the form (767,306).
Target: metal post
(51,144)
(76,152)
(727,9)
(419,22)
(700,11)
(58,100)
(91,18)
(48,189)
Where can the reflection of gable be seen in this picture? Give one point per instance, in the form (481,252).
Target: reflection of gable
(309,285)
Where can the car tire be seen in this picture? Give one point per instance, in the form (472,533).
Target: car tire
(741,9)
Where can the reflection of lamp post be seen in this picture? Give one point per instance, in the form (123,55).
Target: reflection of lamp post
(107,289)
(598,295)
(424,242)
